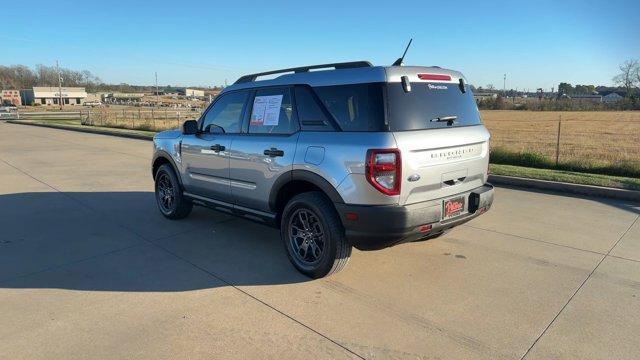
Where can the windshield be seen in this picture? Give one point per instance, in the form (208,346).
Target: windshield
(430,106)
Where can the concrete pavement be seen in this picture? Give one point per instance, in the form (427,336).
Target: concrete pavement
(89,268)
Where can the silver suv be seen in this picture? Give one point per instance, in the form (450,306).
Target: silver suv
(335,155)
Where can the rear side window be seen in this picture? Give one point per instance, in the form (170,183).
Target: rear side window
(310,114)
(426,103)
(357,107)
(272,112)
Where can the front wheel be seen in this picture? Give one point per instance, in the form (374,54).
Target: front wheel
(171,202)
(313,235)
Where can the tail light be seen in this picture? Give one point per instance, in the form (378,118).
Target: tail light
(384,170)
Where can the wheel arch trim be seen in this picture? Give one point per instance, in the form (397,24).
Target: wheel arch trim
(303,175)
(161,154)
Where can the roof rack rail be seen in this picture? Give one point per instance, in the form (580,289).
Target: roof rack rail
(343,65)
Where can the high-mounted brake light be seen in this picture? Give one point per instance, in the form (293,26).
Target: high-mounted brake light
(384,170)
(439,77)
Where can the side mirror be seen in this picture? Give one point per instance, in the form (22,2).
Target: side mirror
(190,127)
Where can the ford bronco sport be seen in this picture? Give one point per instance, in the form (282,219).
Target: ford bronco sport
(335,156)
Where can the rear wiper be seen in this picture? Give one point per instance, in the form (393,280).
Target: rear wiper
(448,119)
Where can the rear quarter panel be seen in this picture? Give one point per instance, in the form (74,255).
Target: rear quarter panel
(339,157)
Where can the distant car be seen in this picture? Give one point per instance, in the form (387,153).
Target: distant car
(8,112)
(92,103)
(8,108)
(360,155)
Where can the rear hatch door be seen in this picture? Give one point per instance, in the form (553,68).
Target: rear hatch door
(437,127)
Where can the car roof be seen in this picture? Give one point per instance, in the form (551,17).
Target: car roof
(342,74)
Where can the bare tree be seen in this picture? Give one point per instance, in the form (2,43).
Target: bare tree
(628,76)
(490,87)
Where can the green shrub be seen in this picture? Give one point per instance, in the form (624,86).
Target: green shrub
(524,158)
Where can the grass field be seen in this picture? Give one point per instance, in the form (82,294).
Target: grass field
(594,138)
(496,121)
(604,142)
(573,177)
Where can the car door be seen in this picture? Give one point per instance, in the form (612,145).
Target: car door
(266,148)
(205,156)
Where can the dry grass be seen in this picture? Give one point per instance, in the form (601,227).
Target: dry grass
(139,119)
(590,138)
(600,138)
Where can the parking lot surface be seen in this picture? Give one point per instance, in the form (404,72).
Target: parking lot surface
(90,269)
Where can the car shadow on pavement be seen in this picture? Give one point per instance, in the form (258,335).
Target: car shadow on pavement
(118,241)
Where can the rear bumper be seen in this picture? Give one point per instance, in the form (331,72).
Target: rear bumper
(382,226)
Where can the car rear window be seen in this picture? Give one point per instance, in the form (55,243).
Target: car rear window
(426,102)
(356,107)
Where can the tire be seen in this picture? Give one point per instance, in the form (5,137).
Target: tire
(171,202)
(317,246)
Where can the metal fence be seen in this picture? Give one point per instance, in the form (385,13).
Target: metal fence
(590,137)
(152,119)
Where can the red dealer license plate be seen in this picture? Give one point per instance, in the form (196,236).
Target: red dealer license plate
(452,207)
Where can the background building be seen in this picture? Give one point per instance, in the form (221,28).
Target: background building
(51,96)
(588,97)
(191,92)
(478,96)
(10,97)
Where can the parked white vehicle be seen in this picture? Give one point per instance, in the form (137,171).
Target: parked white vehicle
(92,103)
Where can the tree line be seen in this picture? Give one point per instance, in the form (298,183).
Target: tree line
(22,77)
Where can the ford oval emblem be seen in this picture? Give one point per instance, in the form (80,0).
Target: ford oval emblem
(414,177)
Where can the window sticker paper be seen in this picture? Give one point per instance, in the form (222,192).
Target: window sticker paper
(266,110)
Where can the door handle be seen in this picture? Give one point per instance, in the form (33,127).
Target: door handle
(273,152)
(217,147)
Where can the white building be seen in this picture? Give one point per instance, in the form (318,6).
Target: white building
(52,95)
(479,96)
(191,92)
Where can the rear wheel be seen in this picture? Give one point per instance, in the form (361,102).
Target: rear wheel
(171,201)
(313,235)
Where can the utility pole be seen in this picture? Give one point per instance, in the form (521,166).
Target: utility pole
(504,85)
(157,94)
(59,85)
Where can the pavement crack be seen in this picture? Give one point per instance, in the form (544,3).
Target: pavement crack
(578,289)
(227,283)
(231,285)
(532,239)
(74,262)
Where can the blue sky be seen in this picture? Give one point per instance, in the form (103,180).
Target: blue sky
(536,43)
